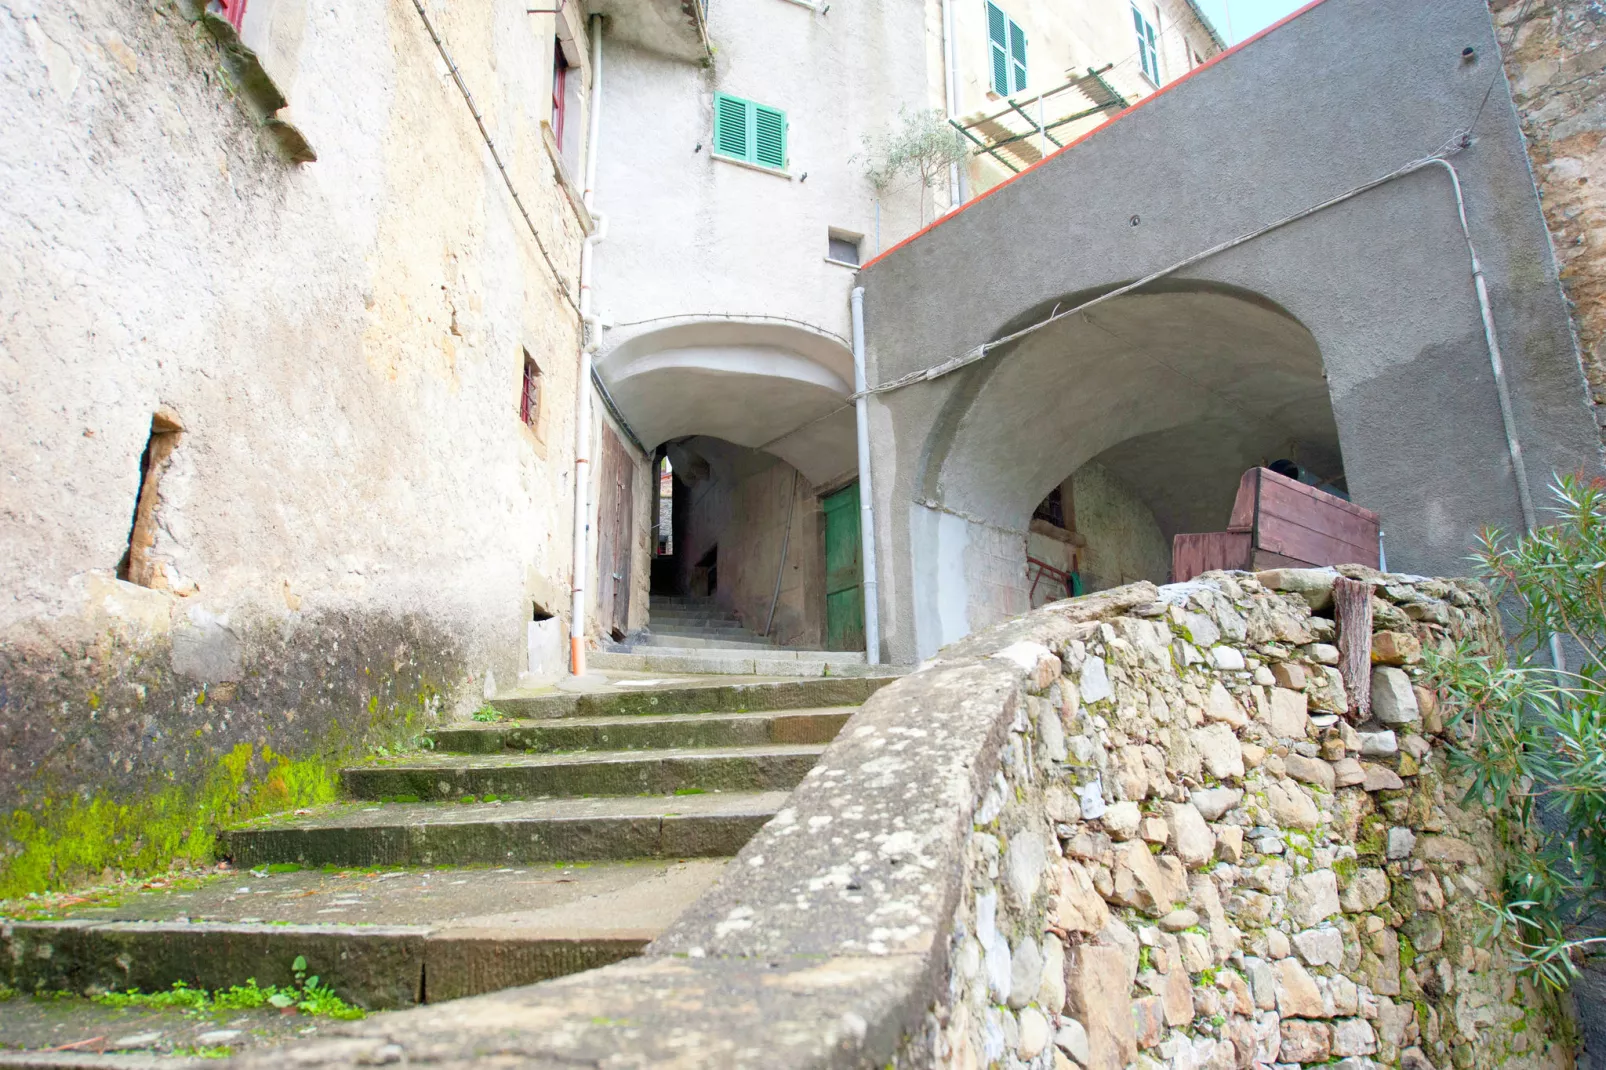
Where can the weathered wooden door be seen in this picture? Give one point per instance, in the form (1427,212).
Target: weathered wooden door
(616,484)
(844,573)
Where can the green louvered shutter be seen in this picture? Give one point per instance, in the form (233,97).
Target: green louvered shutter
(769,136)
(1017,55)
(998,46)
(731,126)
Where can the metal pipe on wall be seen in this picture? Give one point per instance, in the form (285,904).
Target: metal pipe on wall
(872,607)
(590,331)
(950,84)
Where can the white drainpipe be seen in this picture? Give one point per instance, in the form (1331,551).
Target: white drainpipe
(591,336)
(950,85)
(872,607)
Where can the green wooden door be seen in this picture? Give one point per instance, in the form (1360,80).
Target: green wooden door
(844,573)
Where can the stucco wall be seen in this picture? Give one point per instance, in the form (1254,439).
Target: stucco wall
(1370,303)
(356,523)
(1124,544)
(742,502)
(1069,38)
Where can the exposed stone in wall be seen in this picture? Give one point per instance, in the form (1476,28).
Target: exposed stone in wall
(1555,56)
(1190,857)
(1124,544)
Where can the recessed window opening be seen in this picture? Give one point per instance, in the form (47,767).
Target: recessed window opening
(560,84)
(1148,45)
(530,395)
(139,564)
(843,247)
(539,612)
(748,131)
(1052,508)
(1006,47)
(664,542)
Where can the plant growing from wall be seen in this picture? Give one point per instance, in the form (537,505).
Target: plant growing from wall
(1534,738)
(921,145)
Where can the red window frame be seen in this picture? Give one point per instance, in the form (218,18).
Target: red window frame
(530,395)
(560,85)
(234,11)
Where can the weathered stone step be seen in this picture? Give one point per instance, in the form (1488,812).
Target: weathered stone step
(705,640)
(399,937)
(659,772)
(705,697)
(667,620)
(635,732)
(779,662)
(431,834)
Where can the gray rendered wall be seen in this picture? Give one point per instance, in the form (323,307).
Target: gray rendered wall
(1345,93)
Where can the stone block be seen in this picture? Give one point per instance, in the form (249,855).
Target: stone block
(1314,585)
(1230,844)
(1347,772)
(1380,778)
(1289,674)
(1291,806)
(1212,803)
(1287,715)
(1190,837)
(1142,881)
(1353,1036)
(1219,750)
(1102,1007)
(1297,994)
(1366,890)
(1393,700)
(1154,830)
(1148,1021)
(1051,990)
(1447,849)
(1326,692)
(1071,1038)
(1122,819)
(1035,1033)
(1025,973)
(1078,907)
(1401,842)
(1313,897)
(1320,947)
(1395,648)
(1306,1042)
(1379,744)
(1312,771)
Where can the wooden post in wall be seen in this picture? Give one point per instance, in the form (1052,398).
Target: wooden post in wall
(1352,605)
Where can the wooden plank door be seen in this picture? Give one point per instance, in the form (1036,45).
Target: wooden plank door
(844,573)
(616,487)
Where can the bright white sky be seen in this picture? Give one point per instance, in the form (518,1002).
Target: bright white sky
(1246,17)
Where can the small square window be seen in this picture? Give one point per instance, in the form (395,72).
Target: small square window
(843,247)
(530,395)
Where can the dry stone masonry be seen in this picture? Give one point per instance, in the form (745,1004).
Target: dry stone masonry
(1194,855)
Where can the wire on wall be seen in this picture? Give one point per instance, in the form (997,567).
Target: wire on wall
(479,121)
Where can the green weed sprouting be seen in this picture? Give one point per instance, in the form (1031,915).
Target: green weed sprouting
(307,995)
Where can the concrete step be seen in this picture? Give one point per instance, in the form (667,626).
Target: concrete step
(710,825)
(519,776)
(779,662)
(380,939)
(638,732)
(664,621)
(679,696)
(705,640)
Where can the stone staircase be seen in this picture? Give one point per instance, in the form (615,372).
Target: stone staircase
(696,635)
(562,837)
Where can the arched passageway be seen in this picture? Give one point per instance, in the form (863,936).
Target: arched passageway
(1136,419)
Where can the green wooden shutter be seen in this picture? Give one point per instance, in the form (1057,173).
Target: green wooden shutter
(1017,55)
(731,126)
(769,136)
(998,47)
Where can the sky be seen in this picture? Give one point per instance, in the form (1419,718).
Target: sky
(1248,17)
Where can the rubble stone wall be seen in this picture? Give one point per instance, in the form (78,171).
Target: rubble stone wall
(1555,57)
(1191,856)
(1129,830)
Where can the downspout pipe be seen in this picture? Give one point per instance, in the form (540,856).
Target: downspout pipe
(872,606)
(950,85)
(590,337)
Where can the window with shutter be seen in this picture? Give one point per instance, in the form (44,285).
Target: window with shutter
(1006,48)
(998,48)
(769,136)
(1017,56)
(751,132)
(1148,45)
(730,126)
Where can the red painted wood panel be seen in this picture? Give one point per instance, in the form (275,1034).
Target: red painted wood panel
(1193,554)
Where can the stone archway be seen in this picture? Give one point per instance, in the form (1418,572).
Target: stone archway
(1172,391)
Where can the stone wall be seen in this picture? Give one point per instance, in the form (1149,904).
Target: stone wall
(355,526)
(1191,855)
(1126,830)
(1555,57)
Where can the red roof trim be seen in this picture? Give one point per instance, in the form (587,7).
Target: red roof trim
(1114,118)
